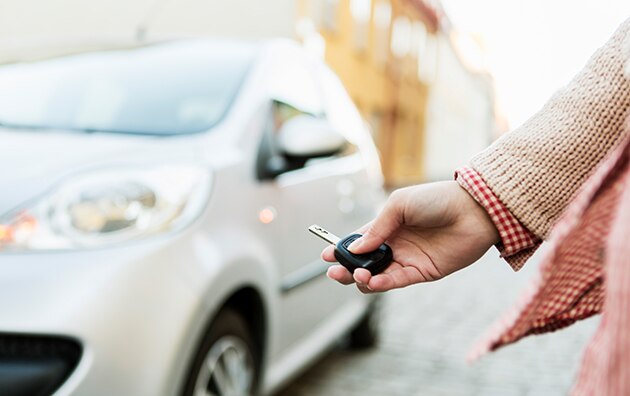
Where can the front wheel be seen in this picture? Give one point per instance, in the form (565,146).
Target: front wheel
(226,364)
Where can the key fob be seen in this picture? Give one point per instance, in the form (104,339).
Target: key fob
(375,261)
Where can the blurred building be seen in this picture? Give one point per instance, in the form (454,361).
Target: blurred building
(428,107)
(374,46)
(420,85)
(462,116)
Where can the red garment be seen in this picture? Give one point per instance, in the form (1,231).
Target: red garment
(516,240)
(589,247)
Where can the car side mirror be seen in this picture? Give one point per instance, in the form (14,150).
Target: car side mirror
(304,137)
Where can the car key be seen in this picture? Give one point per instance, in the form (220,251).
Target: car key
(375,261)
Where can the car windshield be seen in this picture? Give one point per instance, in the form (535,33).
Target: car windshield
(170,88)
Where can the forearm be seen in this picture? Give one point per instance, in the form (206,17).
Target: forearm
(537,168)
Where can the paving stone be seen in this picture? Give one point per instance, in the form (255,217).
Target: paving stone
(429,329)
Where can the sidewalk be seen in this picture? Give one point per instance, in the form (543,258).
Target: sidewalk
(428,331)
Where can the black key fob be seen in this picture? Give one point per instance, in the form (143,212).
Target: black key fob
(375,261)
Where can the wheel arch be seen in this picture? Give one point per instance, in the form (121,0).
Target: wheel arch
(248,302)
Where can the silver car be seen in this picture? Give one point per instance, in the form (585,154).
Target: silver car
(154,208)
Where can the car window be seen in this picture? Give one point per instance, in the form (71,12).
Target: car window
(282,112)
(165,89)
(292,82)
(300,85)
(295,89)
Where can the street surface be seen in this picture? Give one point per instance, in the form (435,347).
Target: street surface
(429,329)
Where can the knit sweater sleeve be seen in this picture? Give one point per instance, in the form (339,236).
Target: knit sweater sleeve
(536,169)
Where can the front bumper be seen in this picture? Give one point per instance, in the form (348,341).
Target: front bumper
(102,322)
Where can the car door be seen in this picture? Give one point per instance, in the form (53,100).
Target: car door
(323,191)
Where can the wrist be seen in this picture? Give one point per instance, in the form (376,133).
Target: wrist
(477,216)
(515,239)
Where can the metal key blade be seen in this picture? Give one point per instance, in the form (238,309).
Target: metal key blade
(324,234)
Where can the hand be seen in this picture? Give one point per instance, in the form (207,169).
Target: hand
(434,230)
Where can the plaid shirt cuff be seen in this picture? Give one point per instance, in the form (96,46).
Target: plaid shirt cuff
(517,242)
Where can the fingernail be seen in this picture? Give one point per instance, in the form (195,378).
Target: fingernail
(355,245)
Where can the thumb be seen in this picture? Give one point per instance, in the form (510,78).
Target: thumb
(380,229)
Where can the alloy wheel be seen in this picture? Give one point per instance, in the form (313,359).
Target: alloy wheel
(227,370)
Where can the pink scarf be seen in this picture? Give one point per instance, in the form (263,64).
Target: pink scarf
(585,271)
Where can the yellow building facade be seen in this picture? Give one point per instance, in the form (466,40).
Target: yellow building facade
(375,47)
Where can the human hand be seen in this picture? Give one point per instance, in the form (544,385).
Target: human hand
(433,229)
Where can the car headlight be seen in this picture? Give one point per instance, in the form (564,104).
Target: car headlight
(102,207)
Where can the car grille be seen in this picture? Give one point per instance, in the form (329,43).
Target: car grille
(34,365)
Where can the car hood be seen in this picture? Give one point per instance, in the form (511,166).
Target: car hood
(32,162)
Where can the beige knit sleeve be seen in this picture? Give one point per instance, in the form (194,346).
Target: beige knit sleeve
(536,169)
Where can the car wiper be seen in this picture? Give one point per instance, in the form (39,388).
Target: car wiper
(117,131)
(57,128)
(8,125)
(87,130)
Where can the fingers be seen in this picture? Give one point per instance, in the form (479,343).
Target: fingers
(364,289)
(361,277)
(328,254)
(340,274)
(401,277)
(397,277)
(381,228)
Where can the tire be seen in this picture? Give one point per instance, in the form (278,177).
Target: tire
(367,332)
(226,363)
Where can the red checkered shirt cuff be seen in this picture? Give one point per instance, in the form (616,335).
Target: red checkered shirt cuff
(517,242)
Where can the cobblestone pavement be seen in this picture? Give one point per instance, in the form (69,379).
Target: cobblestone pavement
(429,329)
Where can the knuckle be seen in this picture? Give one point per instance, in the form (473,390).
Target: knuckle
(374,232)
(396,196)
